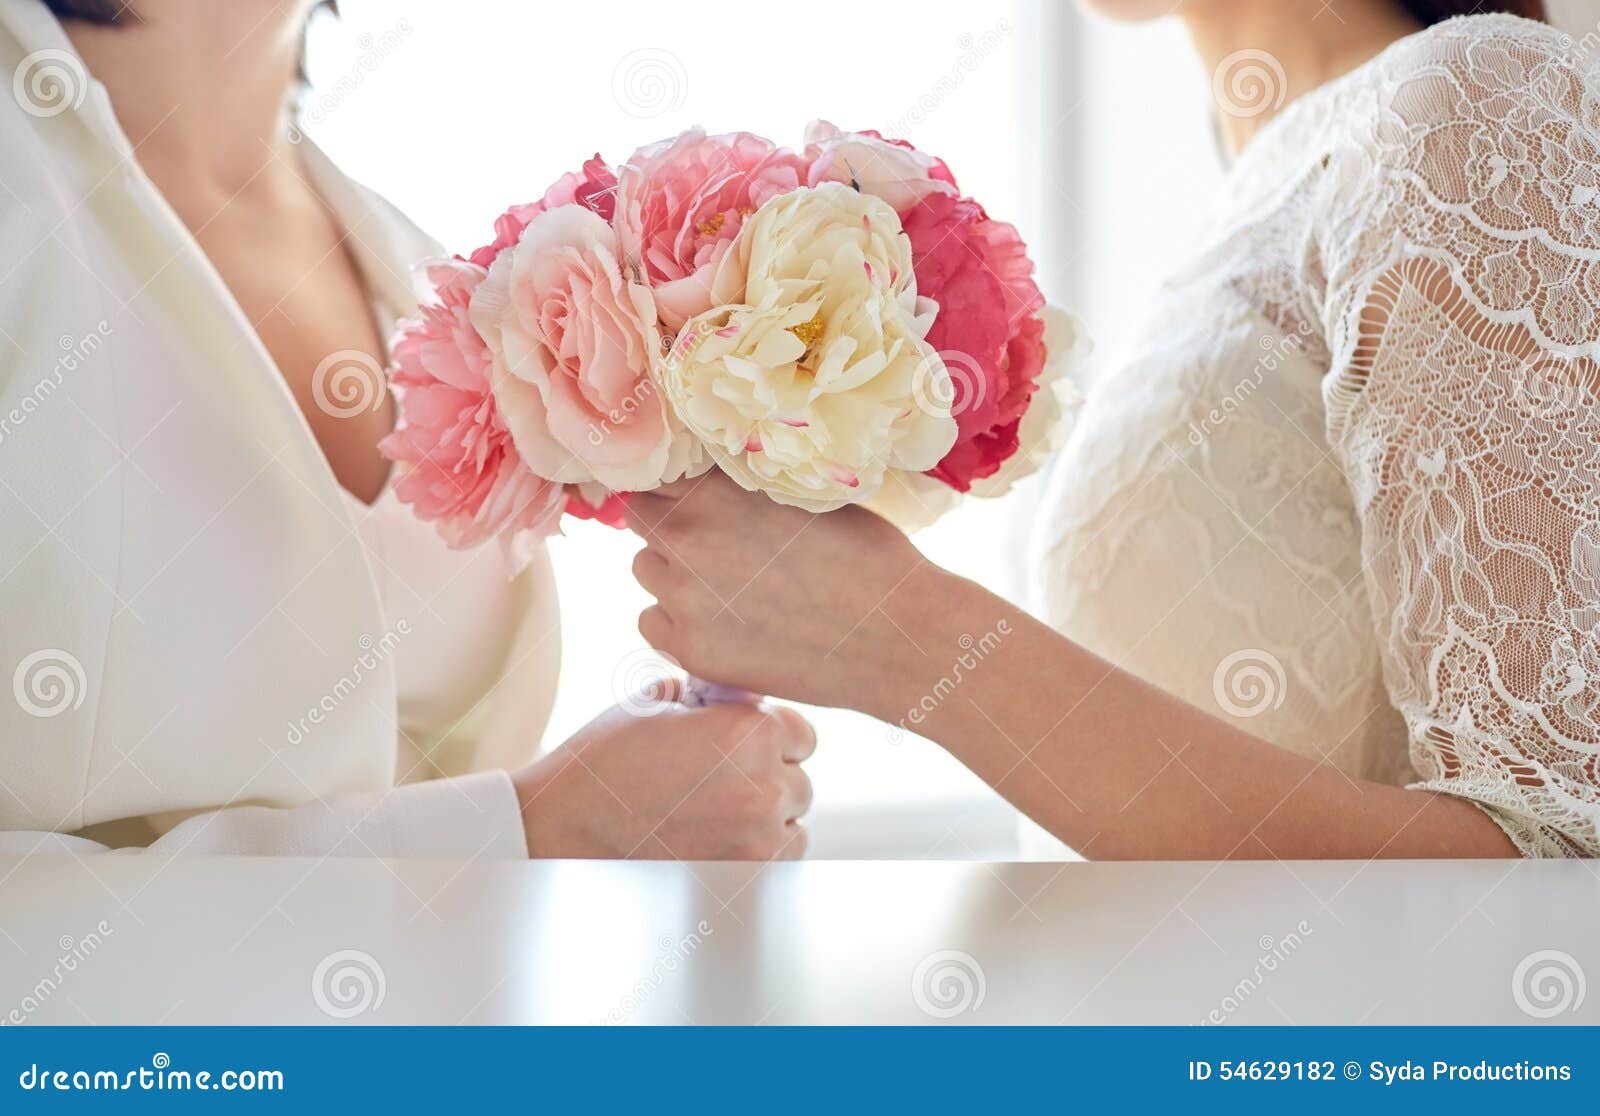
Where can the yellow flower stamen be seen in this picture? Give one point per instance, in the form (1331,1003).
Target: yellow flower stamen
(809,332)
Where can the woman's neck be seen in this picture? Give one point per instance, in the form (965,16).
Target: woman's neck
(1294,46)
(201,85)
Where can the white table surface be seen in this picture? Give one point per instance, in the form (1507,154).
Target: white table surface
(306,941)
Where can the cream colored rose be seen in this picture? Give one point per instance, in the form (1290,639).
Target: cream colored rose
(811,381)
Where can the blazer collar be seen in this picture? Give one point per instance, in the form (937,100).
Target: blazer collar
(383,241)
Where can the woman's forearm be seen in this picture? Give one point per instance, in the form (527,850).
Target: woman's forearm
(1114,766)
(840,609)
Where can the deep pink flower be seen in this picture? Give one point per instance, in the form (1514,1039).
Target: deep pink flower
(611,510)
(988,328)
(460,470)
(594,187)
(681,202)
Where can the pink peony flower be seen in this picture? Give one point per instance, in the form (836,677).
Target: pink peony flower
(594,187)
(461,470)
(681,202)
(889,169)
(573,340)
(988,329)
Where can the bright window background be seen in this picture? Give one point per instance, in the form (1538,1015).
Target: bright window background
(1049,118)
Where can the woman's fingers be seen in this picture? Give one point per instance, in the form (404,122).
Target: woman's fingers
(799,739)
(656,627)
(797,792)
(652,570)
(688,505)
(795,841)
(668,689)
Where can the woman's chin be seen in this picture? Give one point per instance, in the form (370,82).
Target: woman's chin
(1130,11)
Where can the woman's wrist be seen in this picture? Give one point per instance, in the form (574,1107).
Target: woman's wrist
(540,786)
(927,627)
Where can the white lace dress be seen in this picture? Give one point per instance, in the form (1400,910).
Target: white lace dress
(1348,493)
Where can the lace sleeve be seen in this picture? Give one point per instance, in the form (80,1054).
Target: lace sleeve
(1463,307)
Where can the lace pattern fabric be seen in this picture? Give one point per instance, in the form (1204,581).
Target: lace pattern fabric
(1401,515)
(1463,402)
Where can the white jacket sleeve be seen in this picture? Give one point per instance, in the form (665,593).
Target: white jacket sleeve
(466,817)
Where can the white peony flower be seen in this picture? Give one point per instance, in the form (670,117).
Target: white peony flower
(811,381)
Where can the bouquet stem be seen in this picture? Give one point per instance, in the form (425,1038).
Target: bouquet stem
(699,693)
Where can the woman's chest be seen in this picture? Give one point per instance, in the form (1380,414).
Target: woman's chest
(1197,526)
(290,268)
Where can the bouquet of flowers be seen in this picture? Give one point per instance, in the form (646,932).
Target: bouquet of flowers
(832,326)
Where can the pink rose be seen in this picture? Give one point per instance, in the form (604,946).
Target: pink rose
(889,169)
(594,187)
(988,328)
(461,470)
(681,202)
(573,340)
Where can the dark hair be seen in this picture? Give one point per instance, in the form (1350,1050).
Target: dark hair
(90,11)
(1429,12)
(1424,12)
(112,11)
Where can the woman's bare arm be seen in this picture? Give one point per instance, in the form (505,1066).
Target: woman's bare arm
(840,609)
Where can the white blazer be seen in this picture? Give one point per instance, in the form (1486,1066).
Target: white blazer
(209,645)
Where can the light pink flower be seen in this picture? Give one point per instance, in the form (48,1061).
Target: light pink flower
(460,469)
(573,340)
(681,202)
(594,187)
(889,169)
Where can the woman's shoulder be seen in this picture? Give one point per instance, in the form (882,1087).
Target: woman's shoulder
(1487,68)
(1490,120)
(1474,149)
(1459,37)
